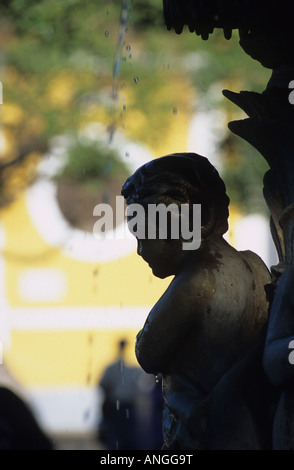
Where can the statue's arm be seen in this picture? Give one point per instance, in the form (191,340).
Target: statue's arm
(280,333)
(168,324)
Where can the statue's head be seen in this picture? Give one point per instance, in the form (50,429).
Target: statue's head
(179,179)
(182,178)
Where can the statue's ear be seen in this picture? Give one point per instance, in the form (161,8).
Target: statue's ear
(208,217)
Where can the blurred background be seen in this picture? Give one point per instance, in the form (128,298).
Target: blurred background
(90,91)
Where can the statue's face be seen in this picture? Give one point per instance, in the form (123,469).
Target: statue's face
(162,256)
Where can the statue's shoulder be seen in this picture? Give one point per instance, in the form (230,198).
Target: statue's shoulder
(255,264)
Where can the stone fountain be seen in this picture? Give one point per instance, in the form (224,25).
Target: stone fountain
(252,405)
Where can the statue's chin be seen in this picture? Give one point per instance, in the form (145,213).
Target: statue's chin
(159,272)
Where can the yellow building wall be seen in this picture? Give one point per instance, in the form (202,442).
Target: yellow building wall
(51,356)
(64,343)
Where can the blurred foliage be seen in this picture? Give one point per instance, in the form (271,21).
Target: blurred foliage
(147,14)
(57,63)
(243,174)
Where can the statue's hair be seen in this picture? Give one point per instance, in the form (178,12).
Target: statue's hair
(182,178)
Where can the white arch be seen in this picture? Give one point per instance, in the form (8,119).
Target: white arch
(49,221)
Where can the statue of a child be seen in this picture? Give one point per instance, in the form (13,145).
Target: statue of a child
(215,306)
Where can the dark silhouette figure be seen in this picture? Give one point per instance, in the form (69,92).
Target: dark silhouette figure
(119,382)
(149,405)
(19,429)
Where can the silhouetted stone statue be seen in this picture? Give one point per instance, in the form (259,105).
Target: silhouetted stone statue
(265,28)
(205,334)
(279,361)
(266,34)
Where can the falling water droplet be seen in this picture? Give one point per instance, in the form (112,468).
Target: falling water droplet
(106,197)
(127,413)
(136,80)
(118,56)
(106,34)
(117,405)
